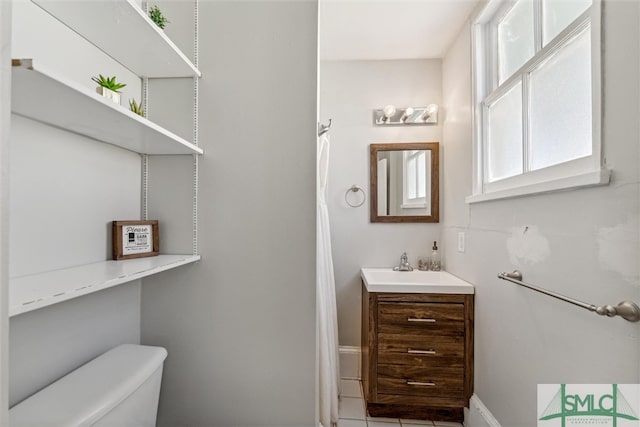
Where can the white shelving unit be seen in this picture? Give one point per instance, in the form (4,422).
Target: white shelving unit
(43,95)
(36,291)
(124,32)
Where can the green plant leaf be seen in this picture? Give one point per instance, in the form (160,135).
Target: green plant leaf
(155,14)
(108,82)
(136,108)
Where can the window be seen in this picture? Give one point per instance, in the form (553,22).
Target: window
(536,97)
(415,182)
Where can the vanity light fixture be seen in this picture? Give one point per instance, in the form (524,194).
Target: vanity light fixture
(390,115)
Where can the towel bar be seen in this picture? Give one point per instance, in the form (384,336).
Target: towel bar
(626,309)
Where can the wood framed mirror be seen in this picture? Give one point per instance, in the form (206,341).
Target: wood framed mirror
(405,182)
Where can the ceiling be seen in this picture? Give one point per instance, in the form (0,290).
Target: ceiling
(390,29)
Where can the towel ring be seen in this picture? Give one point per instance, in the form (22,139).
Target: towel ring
(355,189)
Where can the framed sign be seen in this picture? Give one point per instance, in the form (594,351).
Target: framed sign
(135,239)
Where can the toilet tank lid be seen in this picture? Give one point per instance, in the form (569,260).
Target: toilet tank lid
(85,395)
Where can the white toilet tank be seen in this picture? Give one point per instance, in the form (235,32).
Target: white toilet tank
(120,388)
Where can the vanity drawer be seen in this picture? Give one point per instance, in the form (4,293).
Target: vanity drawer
(420,381)
(421,350)
(419,318)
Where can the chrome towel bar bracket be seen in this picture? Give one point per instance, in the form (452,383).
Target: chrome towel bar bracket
(626,309)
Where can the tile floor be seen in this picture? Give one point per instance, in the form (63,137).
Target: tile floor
(352,411)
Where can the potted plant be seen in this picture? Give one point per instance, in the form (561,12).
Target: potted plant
(136,108)
(156,16)
(109,87)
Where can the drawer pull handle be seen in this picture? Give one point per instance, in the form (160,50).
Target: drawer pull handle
(413,319)
(418,383)
(411,351)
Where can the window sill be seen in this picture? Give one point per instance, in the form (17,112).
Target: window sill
(413,206)
(590,179)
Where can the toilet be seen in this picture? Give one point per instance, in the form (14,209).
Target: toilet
(119,388)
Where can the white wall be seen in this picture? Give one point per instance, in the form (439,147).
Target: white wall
(64,195)
(36,34)
(64,191)
(349,92)
(239,326)
(48,343)
(5,119)
(582,243)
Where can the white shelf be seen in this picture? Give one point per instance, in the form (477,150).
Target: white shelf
(40,94)
(36,291)
(122,30)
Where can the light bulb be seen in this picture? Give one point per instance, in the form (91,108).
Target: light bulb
(407,113)
(431,110)
(388,112)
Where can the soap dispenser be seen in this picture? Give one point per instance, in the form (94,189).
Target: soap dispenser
(435,258)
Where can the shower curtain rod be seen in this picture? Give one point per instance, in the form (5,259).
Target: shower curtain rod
(322,129)
(626,309)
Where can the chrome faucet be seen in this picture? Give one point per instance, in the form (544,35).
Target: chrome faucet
(404,264)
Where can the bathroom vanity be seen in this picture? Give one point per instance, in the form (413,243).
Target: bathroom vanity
(417,344)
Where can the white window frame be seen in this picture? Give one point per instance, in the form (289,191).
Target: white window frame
(582,172)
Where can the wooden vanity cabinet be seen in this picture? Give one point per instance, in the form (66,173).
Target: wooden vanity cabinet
(417,354)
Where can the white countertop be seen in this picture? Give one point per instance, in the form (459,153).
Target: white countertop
(416,281)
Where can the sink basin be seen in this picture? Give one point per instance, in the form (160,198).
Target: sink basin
(416,281)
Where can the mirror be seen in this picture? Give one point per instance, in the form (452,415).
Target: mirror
(404,182)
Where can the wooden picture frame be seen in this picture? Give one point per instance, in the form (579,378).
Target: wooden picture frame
(135,239)
(434,167)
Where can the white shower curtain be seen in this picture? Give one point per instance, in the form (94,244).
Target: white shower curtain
(326,293)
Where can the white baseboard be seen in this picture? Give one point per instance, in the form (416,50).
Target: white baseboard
(350,362)
(478,415)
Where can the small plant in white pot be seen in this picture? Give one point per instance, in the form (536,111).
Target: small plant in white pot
(136,108)
(109,87)
(155,14)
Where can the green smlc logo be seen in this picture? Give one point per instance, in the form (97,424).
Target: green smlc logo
(587,405)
